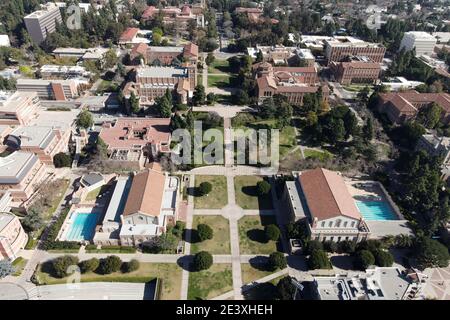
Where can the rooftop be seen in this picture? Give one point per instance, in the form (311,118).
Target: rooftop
(420,35)
(34,136)
(327,195)
(10,101)
(161,72)
(5,219)
(14,168)
(146,194)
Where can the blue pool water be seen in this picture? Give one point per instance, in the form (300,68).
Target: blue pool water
(82,227)
(376,210)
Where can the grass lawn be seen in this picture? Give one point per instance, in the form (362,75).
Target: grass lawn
(92,195)
(250,273)
(220,243)
(169,273)
(251,235)
(210,283)
(219,66)
(217,198)
(56,200)
(219,81)
(287,140)
(315,154)
(19,264)
(246,193)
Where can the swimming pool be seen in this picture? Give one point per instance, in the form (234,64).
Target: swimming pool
(376,210)
(82,226)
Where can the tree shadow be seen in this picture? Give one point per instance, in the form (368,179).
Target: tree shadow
(260,263)
(257,235)
(251,191)
(185,263)
(193,235)
(261,291)
(344,262)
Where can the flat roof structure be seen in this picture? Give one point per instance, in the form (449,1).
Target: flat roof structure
(10,101)
(34,136)
(15,166)
(118,200)
(161,72)
(5,219)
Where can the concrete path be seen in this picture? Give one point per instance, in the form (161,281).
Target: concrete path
(187,245)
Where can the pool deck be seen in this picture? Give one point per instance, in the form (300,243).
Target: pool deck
(62,236)
(371,191)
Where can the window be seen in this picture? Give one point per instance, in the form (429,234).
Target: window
(353,224)
(331,238)
(338,239)
(345,224)
(322,224)
(330,224)
(338,223)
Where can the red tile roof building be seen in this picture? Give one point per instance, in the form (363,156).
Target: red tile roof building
(128,35)
(154,55)
(292,82)
(327,205)
(402,106)
(136,139)
(356,70)
(254,15)
(179,17)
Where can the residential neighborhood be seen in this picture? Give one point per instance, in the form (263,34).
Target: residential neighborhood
(225,150)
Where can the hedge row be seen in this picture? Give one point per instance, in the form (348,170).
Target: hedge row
(50,242)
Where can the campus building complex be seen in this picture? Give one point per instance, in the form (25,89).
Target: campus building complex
(18,107)
(356,69)
(12,236)
(402,106)
(420,41)
(178,17)
(291,82)
(43,22)
(164,56)
(134,140)
(50,89)
(339,48)
(153,82)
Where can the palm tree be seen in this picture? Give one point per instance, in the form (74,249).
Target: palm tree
(403,241)
(388,241)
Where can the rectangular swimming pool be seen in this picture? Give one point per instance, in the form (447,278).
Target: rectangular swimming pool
(376,210)
(82,226)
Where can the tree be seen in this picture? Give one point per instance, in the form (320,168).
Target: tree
(6,268)
(134,103)
(205,232)
(209,58)
(33,220)
(62,160)
(60,265)
(431,253)
(272,232)
(241,97)
(383,258)
(205,188)
(286,289)
(199,95)
(368,130)
(164,106)
(89,265)
(130,266)
(277,260)
(109,265)
(210,98)
(263,187)
(330,246)
(430,115)
(313,245)
(110,59)
(318,259)
(363,95)
(166,242)
(203,260)
(346,246)
(364,259)
(85,119)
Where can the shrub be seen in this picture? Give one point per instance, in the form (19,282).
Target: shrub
(205,188)
(286,289)
(364,259)
(203,260)
(89,265)
(204,232)
(130,266)
(383,258)
(61,264)
(372,245)
(330,246)
(62,160)
(319,260)
(431,253)
(313,245)
(272,232)
(109,265)
(165,243)
(263,187)
(277,260)
(177,230)
(6,268)
(346,246)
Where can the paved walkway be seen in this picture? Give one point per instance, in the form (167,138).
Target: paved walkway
(187,245)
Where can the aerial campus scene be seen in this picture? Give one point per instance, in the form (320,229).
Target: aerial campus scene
(224,150)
